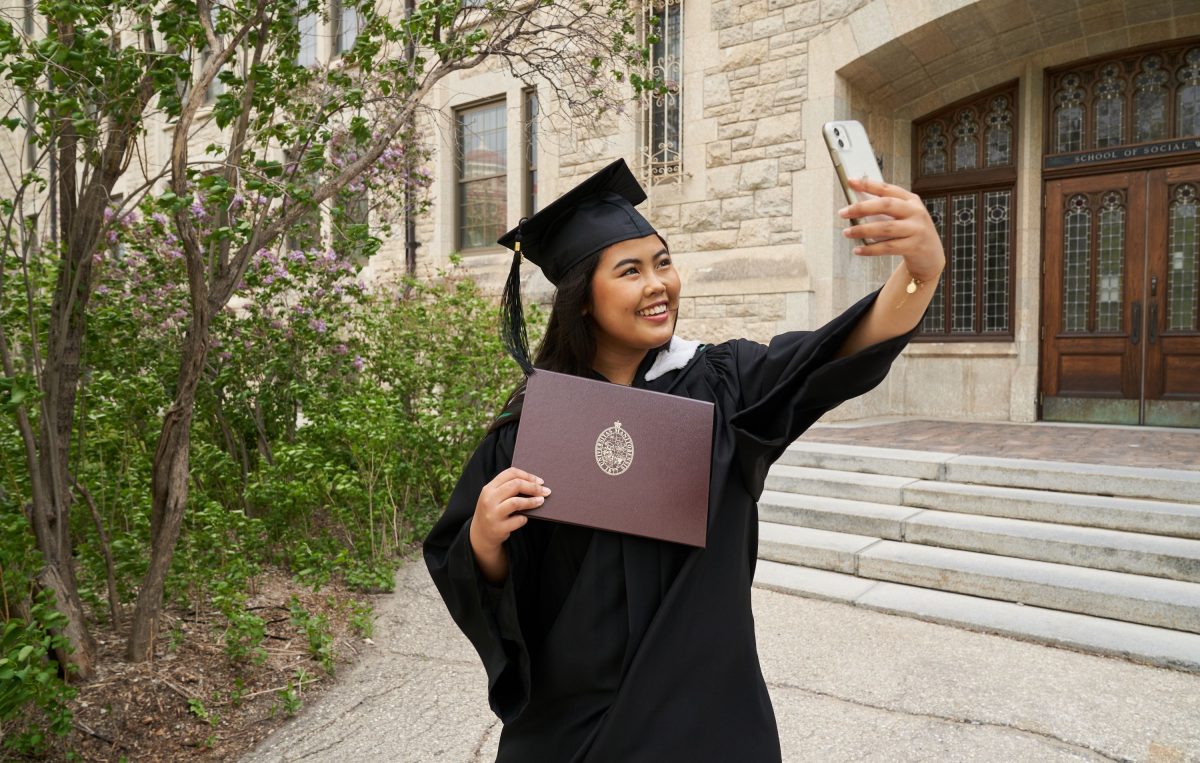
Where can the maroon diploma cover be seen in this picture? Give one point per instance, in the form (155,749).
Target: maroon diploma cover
(617,458)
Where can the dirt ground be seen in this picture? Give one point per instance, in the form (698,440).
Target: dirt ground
(192,702)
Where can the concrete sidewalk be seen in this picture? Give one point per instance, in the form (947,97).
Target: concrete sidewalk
(847,684)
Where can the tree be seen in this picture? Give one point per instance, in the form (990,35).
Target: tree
(250,132)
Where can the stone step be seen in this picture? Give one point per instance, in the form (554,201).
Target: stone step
(1101,593)
(856,486)
(1174,485)
(1136,553)
(878,520)
(1180,520)
(1142,643)
(920,464)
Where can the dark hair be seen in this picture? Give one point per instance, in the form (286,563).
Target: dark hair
(569,345)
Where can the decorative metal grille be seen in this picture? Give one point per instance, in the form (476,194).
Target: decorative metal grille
(662,111)
(531,151)
(482,175)
(996,269)
(962,271)
(1110,268)
(935,317)
(1077,261)
(1110,107)
(1150,101)
(1183,270)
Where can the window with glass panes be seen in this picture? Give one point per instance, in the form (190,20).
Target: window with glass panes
(347,21)
(482,158)
(309,24)
(662,110)
(531,148)
(1142,97)
(964,169)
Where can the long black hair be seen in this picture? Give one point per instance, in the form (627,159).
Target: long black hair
(569,345)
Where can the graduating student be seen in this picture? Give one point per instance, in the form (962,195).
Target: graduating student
(601,646)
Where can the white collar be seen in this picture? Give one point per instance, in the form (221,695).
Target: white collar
(675,357)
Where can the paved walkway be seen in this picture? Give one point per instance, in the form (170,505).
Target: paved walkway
(1121,445)
(847,685)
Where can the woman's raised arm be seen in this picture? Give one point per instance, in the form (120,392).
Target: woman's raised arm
(911,235)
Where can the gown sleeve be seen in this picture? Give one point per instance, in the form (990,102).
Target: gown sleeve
(779,390)
(489,615)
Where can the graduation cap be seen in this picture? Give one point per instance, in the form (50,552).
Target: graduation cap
(595,214)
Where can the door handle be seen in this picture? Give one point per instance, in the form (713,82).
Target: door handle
(1135,335)
(1152,329)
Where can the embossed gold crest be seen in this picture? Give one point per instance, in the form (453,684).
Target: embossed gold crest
(614,450)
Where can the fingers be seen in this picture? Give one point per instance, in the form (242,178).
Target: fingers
(879,188)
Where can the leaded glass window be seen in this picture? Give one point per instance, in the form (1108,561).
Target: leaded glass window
(1136,98)
(1183,268)
(999,132)
(1109,104)
(963,253)
(1188,122)
(1077,261)
(1150,101)
(1110,269)
(935,316)
(966,151)
(482,175)
(965,172)
(933,149)
(996,246)
(1068,115)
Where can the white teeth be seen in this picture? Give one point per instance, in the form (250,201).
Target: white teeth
(656,310)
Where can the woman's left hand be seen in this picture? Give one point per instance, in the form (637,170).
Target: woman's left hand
(910,233)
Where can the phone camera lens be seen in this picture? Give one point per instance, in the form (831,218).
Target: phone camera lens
(841,143)
(837,131)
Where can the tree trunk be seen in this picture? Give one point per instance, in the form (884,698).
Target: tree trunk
(67,602)
(169,489)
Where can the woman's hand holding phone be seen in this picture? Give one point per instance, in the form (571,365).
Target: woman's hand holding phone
(909,232)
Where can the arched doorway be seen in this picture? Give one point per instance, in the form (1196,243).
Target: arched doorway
(1120,331)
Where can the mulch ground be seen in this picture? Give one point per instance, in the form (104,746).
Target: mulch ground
(192,702)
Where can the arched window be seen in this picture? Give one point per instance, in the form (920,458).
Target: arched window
(971,203)
(1188,110)
(1068,115)
(1138,98)
(1150,101)
(1109,104)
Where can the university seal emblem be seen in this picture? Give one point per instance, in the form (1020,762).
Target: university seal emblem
(614,450)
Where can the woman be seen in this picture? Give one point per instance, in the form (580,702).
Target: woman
(600,646)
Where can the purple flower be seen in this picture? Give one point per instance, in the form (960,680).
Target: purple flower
(358,362)
(270,279)
(109,214)
(102,290)
(226,355)
(317,325)
(296,255)
(198,210)
(341,349)
(160,218)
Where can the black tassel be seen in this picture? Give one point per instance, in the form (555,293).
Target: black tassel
(512,317)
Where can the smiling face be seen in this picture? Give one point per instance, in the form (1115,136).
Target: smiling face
(635,297)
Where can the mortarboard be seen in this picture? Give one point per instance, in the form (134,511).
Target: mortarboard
(595,214)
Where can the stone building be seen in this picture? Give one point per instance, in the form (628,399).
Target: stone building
(1056,143)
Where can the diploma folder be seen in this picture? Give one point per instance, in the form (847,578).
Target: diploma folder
(617,458)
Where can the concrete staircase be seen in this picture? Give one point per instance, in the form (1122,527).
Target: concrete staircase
(1098,558)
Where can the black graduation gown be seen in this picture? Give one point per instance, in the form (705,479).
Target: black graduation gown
(607,647)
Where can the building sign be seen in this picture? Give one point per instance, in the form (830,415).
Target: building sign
(1121,153)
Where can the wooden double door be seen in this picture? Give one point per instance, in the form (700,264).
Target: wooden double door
(1120,304)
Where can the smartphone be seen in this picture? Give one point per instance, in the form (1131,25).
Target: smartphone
(853,157)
